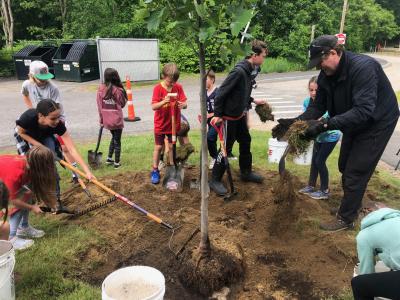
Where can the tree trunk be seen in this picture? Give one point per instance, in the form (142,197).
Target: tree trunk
(63,9)
(8,22)
(205,190)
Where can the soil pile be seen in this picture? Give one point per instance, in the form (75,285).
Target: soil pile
(283,254)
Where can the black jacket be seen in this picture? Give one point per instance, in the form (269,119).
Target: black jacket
(233,96)
(357,97)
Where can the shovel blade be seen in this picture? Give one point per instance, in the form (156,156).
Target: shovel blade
(173,179)
(94,159)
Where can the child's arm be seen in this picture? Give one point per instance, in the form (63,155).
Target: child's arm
(27,138)
(158,105)
(27,101)
(19,203)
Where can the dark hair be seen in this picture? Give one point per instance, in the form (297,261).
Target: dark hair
(47,106)
(312,80)
(111,78)
(339,48)
(4,195)
(42,174)
(257,46)
(210,73)
(171,70)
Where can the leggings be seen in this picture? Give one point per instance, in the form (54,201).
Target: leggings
(368,286)
(321,151)
(115,144)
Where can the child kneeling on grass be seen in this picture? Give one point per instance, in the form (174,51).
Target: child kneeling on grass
(163,106)
(111,99)
(22,177)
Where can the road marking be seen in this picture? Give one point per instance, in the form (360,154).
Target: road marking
(281,102)
(283,112)
(287,106)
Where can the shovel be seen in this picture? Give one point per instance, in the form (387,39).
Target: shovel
(173,179)
(94,157)
(219,129)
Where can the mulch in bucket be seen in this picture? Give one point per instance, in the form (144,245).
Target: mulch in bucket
(264,111)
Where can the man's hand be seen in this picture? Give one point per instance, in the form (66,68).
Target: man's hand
(315,127)
(216,121)
(280,130)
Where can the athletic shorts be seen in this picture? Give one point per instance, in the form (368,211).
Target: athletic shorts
(159,138)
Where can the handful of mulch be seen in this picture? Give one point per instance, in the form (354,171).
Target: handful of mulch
(183,152)
(295,138)
(264,111)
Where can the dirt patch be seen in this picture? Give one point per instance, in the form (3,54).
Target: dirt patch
(298,260)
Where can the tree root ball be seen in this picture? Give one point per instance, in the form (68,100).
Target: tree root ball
(206,275)
(183,152)
(264,111)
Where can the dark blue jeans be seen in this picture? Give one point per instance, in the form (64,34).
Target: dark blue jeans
(212,137)
(51,143)
(321,151)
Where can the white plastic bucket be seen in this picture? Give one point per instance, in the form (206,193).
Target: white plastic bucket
(7,263)
(379,267)
(306,157)
(275,150)
(134,283)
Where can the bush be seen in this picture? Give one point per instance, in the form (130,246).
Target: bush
(280,65)
(186,58)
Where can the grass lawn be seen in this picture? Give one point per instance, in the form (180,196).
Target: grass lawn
(398,96)
(51,268)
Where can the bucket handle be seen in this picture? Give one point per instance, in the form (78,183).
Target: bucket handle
(12,270)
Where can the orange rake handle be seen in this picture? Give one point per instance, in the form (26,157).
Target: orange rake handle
(118,196)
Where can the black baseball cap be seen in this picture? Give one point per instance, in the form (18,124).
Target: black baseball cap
(320,46)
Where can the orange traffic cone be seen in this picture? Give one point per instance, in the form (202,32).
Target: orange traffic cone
(131,109)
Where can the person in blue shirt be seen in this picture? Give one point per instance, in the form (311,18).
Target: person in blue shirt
(323,147)
(379,236)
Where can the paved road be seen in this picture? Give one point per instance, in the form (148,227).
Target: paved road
(285,92)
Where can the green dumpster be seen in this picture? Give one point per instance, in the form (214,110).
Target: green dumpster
(76,61)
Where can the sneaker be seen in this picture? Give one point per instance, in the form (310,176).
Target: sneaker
(30,232)
(21,244)
(336,225)
(117,165)
(307,190)
(109,161)
(161,165)
(231,156)
(319,195)
(211,165)
(155,176)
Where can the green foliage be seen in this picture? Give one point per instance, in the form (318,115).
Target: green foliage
(280,65)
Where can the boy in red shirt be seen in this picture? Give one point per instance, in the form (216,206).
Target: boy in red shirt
(168,98)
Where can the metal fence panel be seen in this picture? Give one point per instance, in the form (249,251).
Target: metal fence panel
(137,58)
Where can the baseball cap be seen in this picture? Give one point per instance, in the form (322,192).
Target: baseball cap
(320,46)
(40,70)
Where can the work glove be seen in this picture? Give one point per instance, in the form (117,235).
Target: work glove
(315,127)
(280,130)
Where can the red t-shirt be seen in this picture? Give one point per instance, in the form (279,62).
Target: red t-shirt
(13,174)
(162,116)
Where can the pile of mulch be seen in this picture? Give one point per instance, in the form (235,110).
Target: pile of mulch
(264,111)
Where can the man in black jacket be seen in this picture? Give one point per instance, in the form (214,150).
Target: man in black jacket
(362,104)
(231,104)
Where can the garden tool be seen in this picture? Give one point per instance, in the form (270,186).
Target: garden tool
(118,196)
(220,129)
(282,161)
(173,179)
(94,157)
(85,189)
(93,207)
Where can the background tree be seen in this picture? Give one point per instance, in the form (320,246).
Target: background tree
(8,22)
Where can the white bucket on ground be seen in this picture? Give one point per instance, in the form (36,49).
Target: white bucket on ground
(275,150)
(306,157)
(379,268)
(134,283)
(7,263)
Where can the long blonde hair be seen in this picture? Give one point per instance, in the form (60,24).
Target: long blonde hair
(41,171)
